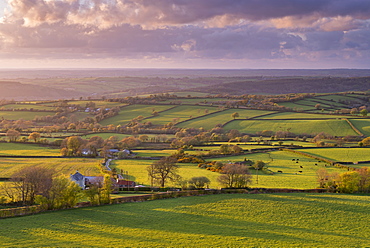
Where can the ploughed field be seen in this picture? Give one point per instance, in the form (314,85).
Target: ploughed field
(236,220)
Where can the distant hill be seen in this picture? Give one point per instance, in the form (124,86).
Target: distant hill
(19,91)
(289,85)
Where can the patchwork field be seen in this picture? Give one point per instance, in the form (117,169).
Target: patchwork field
(137,171)
(257,220)
(130,112)
(283,161)
(340,154)
(332,127)
(25,115)
(28,106)
(19,149)
(181,113)
(86,166)
(296,106)
(211,120)
(98,104)
(292,115)
(362,125)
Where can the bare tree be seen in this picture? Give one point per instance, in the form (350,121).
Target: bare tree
(163,170)
(235,176)
(29,182)
(13,135)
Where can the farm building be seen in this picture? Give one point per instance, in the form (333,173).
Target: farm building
(85,181)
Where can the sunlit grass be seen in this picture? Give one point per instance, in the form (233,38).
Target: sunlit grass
(211,120)
(130,112)
(181,113)
(238,220)
(332,127)
(87,166)
(25,115)
(283,161)
(19,149)
(341,154)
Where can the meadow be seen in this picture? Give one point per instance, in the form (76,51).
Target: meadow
(137,171)
(340,154)
(19,149)
(296,106)
(130,112)
(283,161)
(292,115)
(257,220)
(181,113)
(65,166)
(363,125)
(211,120)
(25,115)
(28,106)
(333,127)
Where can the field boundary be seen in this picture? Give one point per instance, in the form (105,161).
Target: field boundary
(35,209)
(354,128)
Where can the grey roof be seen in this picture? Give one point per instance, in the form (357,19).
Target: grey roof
(77,176)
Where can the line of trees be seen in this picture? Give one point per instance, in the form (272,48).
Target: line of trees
(357,181)
(164,170)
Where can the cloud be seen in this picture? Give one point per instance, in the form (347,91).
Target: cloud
(304,30)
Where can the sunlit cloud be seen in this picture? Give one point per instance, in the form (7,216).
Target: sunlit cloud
(268,31)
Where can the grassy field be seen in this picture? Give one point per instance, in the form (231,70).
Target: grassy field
(337,98)
(137,171)
(237,220)
(341,154)
(98,104)
(276,160)
(211,120)
(290,176)
(291,115)
(28,106)
(25,115)
(19,149)
(295,106)
(363,125)
(180,113)
(130,112)
(153,153)
(67,166)
(332,127)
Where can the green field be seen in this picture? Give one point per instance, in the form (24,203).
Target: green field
(340,154)
(19,149)
(337,98)
(28,106)
(363,125)
(237,220)
(211,120)
(295,106)
(130,112)
(291,115)
(180,113)
(154,153)
(283,161)
(332,127)
(98,104)
(276,160)
(25,115)
(137,171)
(67,166)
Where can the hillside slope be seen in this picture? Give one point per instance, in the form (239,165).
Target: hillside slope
(19,91)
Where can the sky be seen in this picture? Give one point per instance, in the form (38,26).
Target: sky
(237,34)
